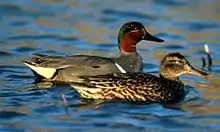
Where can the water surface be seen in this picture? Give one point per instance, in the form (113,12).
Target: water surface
(72,27)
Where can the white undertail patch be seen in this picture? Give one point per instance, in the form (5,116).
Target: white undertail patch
(45,72)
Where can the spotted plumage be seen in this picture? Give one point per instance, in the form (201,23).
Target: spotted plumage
(141,87)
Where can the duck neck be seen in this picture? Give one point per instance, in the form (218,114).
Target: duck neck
(128,46)
(127,43)
(168,76)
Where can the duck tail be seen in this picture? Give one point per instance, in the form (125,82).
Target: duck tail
(39,71)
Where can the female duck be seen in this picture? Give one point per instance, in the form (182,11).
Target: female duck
(67,69)
(141,87)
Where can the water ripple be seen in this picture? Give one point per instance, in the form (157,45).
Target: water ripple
(36,37)
(198,26)
(129,14)
(10,115)
(10,9)
(173,3)
(3,53)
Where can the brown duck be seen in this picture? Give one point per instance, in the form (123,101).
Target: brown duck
(141,87)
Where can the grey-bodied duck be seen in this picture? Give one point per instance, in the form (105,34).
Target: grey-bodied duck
(68,68)
(141,87)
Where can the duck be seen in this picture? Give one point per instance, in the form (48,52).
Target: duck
(69,68)
(140,86)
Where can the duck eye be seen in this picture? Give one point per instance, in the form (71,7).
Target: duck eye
(130,26)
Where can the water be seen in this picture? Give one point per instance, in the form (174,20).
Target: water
(90,27)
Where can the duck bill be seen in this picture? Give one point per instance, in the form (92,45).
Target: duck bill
(150,37)
(193,71)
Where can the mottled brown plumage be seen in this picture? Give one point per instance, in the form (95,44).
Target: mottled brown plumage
(141,87)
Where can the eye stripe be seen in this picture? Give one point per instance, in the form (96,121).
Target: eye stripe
(176,61)
(173,60)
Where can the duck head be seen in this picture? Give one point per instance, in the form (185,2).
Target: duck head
(130,34)
(174,64)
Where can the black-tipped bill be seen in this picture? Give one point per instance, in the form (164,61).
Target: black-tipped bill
(191,70)
(150,37)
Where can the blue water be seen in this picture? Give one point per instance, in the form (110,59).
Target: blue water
(90,27)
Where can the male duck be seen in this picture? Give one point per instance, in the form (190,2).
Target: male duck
(68,68)
(141,87)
